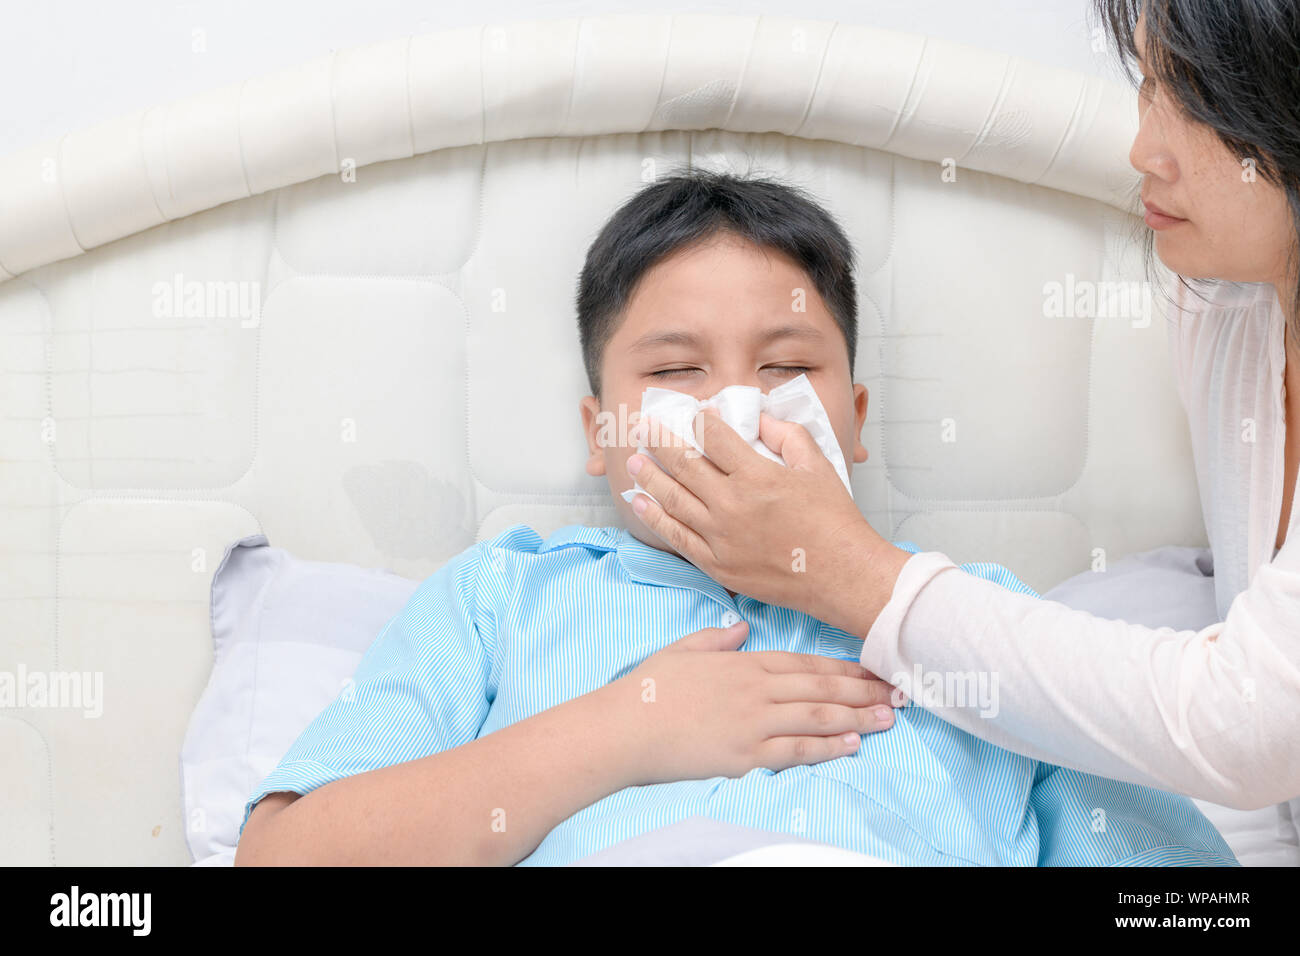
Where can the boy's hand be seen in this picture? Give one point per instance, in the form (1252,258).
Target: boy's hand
(698,709)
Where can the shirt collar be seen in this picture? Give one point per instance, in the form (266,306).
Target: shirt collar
(601,539)
(651,565)
(641,562)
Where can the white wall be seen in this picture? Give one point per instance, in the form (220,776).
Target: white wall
(66,64)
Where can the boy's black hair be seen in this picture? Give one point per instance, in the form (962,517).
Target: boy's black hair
(689,207)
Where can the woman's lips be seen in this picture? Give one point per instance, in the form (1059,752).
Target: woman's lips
(1157,218)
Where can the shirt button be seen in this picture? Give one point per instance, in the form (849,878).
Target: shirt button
(730,618)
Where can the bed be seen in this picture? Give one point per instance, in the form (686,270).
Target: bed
(305,306)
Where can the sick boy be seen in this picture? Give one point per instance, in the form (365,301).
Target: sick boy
(541,699)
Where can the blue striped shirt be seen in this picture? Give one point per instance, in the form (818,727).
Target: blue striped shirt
(517,624)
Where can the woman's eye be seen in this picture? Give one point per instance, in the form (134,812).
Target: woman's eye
(796,369)
(671,372)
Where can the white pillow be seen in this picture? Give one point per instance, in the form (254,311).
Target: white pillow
(1174,587)
(287,635)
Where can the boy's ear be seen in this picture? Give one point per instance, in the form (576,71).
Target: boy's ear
(589,408)
(860,396)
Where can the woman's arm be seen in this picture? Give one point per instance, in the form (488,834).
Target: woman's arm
(1214,714)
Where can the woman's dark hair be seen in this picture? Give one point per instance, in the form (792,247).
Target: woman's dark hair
(1233,65)
(687,208)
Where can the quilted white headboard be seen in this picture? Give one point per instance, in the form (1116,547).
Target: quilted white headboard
(334,305)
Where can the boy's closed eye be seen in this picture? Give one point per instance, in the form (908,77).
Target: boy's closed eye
(794,371)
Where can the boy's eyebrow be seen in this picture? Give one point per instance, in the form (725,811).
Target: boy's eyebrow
(653,340)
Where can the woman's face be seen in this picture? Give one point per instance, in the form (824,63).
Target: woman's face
(1214,216)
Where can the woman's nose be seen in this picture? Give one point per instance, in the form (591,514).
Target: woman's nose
(1149,154)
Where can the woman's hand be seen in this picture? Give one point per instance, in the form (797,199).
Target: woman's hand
(790,536)
(699,709)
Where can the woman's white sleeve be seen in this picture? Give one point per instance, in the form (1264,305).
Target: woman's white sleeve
(1214,714)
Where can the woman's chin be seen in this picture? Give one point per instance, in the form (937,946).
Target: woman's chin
(1181,260)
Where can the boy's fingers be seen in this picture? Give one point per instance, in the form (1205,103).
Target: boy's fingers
(826,719)
(782,753)
(788,662)
(831,689)
(713,639)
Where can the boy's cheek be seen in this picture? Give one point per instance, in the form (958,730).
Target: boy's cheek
(616,462)
(616,469)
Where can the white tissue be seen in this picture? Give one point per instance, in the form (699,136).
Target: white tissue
(739,406)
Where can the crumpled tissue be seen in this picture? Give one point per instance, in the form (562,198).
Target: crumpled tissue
(739,406)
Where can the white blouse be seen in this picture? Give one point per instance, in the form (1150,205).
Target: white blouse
(1214,714)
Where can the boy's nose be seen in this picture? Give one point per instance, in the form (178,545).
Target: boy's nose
(725,378)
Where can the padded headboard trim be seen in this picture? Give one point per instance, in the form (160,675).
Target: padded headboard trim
(906,94)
